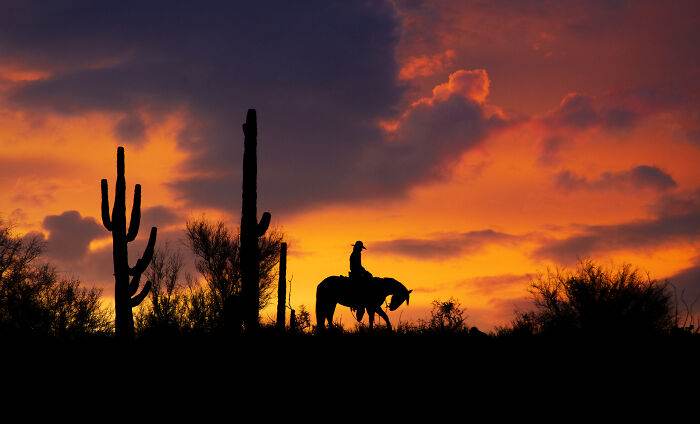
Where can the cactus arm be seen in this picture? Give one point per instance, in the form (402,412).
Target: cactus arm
(136,300)
(106,220)
(135,215)
(264,223)
(134,284)
(142,263)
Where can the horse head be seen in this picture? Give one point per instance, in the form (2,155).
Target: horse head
(399,295)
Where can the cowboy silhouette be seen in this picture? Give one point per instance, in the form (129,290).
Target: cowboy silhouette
(360,277)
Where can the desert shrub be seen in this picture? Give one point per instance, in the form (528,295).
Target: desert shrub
(217,249)
(593,300)
(165,311)
(300,321)
(446,316)
(36,302)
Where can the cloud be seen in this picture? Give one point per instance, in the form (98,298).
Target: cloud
(419,146)
(160,216)
(550,150)
(577,111)
(470,84)
(426,65)
(620,118)
(490,284)
(320,74)
(429,136)
(444,246)
(70,235)
(323,75)
(96,268)
(130,129)
(638,177)
(677,219)
(687,283)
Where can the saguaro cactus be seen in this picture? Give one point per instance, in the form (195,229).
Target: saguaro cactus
(251,229)
(125,296)
(282,287)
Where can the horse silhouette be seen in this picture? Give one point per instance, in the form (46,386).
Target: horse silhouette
(342,290)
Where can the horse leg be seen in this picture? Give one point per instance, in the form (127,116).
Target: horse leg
(331,312)
(320,317)
(370,316)
(385,317)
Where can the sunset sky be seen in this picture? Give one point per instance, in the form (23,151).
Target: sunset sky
(469,144)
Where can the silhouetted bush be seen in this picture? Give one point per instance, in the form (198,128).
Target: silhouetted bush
(35,302)
(595,301)
(167,311)
(217,304)
(446,317)
(301,323)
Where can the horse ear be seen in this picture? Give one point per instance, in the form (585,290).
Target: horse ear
(410,291)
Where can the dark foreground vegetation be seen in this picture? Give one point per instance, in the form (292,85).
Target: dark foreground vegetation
(37,303)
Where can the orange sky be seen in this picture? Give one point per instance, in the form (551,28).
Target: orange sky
(588,133)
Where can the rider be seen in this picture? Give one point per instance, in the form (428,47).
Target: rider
(359,276)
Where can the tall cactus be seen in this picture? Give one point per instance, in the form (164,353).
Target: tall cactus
(125,291)
(282,287)
(251,229)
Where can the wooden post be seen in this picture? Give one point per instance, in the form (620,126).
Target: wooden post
(282,287)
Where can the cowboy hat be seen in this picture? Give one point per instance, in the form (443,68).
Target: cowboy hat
(360,245)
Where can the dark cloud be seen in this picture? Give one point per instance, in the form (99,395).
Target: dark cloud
(490,284)
(619,118)
(322,74)
(160,216)
(550,150)
(677,219)
(638,177)
(70,235)
(217,191)
(569,44)
(95,267)
(130,129)
(693,136)
(687,283)
(428,139)
(578,111)
(505,309)
(443,246)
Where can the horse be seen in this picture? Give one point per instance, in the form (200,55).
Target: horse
(340,289)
